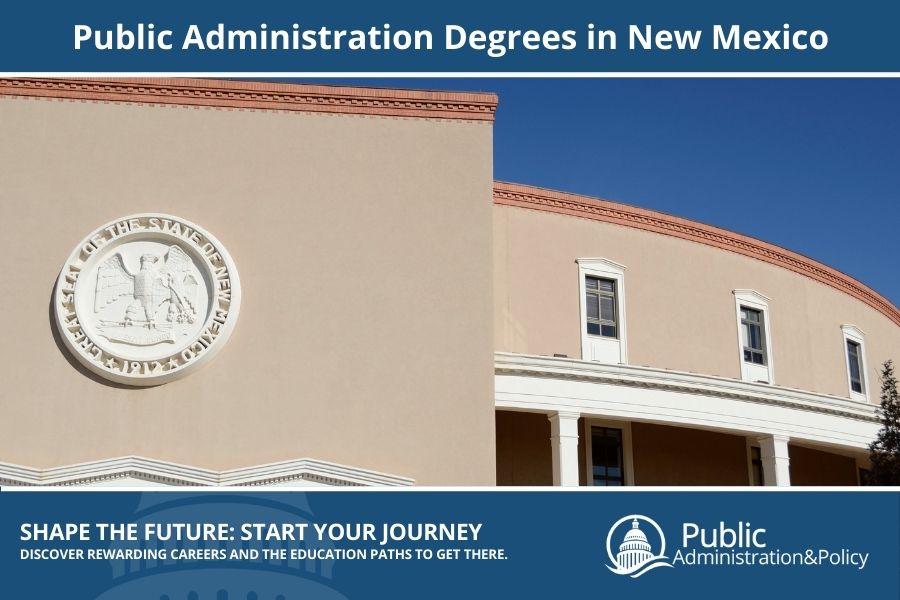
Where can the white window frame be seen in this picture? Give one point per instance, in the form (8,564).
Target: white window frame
(855,334)
(751,371)
(595,347)
(627,451)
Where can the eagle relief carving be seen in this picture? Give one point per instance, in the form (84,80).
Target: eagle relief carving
(153,304)
(146,299)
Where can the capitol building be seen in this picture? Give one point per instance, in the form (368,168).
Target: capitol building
(634,549)
(230,283)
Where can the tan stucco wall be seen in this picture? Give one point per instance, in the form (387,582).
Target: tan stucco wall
(680,456)
(815,467)
(363,248)
(523,449)
(680,309)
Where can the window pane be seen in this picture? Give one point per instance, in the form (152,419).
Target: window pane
(757,474)
(593,306)
(752,335)
(755,341)
(590,283)
(854,368)
(593,328)
(608,331)
(756,465)
(754,356)
(606,456)
(855,365)
(607,308)
(606,285)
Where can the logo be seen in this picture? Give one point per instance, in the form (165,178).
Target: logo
(146,299)
(635,555)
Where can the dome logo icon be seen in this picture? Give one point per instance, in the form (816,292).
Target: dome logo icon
(635,555)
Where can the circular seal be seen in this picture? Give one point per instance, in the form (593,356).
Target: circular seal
(146,299)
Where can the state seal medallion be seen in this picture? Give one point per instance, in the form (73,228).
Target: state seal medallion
(146,299)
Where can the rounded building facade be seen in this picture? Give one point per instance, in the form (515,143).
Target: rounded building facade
(404,319)
(653,350)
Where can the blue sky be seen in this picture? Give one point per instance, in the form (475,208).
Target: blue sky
(810,164)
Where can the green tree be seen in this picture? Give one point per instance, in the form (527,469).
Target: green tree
(884,452)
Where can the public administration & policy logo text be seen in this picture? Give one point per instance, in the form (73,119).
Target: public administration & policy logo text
(643,548)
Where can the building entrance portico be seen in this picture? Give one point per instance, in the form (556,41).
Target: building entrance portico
(597,431)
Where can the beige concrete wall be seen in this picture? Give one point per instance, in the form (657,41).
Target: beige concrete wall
(679,304)
(523,449)
(363,246)
(680,456)
(815,467)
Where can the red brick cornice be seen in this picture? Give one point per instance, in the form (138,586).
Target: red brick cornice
(258,95)
(510,194)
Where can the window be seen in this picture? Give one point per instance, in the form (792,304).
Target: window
(753,335)
(756,466)
(607,464)
(600,302)
(607,453)
(855,353)
(864,476)
(855,363)
(601,289)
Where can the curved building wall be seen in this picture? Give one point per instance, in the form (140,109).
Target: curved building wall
(679,303)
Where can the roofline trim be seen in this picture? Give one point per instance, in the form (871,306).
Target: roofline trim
(586,207)
(170,473)
(261,95)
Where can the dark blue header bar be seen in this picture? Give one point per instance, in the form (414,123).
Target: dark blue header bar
(408,37)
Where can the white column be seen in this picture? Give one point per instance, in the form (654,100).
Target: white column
(776,463)
(564,446)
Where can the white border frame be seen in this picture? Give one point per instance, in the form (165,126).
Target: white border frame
(855,334)
(627,448)
(606,269)
(760,302)
(472,74)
